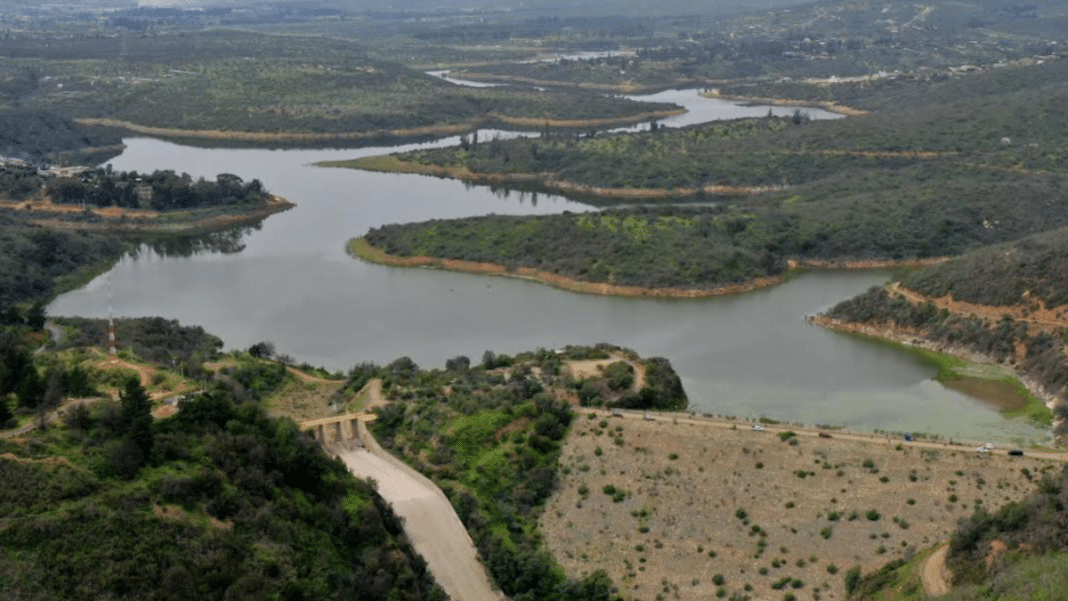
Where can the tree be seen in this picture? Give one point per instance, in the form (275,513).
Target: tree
(36,316)
(31,389)
(262,350)
(135,416)
(5,411)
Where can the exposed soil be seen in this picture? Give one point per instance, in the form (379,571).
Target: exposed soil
(1048,319)
(690,504)
(117,219)
(304,400)
(593,368)
(934,573)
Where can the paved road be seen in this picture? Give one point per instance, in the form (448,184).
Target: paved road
(430,522)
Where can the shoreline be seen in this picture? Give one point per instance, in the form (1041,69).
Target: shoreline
(124,221)
(359,248)
(822,104)
(622,88)
(391,164)
(916,340)
(412,132)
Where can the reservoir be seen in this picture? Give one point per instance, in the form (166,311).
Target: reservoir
(289,281)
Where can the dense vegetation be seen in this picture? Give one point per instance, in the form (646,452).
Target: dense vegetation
(845,38)
(36,262)
(219,502)
(489,435)
(169,191)
(1028,272)
(983,126)
(863,215)
(656,248)
(164,342)
(246,82)
(39,136)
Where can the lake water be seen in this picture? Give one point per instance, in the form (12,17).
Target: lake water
(292,283)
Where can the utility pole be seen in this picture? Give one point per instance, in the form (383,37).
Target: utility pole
(112,350)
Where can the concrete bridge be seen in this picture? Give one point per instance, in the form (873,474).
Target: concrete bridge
(339,430)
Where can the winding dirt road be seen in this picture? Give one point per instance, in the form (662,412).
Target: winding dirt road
(934,573)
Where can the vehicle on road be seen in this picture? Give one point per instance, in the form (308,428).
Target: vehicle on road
(649,417)
(825,435)
(758,428)
(982,450)
(908,437)
(1016,452)
(617,413)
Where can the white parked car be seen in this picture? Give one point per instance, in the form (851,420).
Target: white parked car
(982,449)
(758,428)
(649,417)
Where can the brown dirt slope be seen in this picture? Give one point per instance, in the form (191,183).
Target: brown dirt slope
(679,521)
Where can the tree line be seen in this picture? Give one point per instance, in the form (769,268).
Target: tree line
(167,190)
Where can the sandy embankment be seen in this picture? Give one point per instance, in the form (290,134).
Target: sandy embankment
(117,219)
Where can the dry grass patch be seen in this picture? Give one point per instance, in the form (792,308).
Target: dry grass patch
(303,400)
(708,512)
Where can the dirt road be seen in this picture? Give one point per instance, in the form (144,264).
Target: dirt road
(771,430)
(430,522)
(934,572)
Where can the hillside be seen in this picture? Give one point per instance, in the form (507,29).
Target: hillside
(1016,552)
(1031,273)
(1002,303)
(218,502)
(489,435)
(851,218)
(976,125)
(254,88)
(40,136)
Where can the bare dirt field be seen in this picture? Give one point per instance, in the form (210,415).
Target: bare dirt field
(678,509)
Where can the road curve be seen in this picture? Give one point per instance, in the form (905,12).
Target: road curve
(430,522)
(933,572)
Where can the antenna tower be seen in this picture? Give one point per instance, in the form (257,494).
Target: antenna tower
(111,323)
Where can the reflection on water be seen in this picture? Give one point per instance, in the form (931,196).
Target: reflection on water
(225,242)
